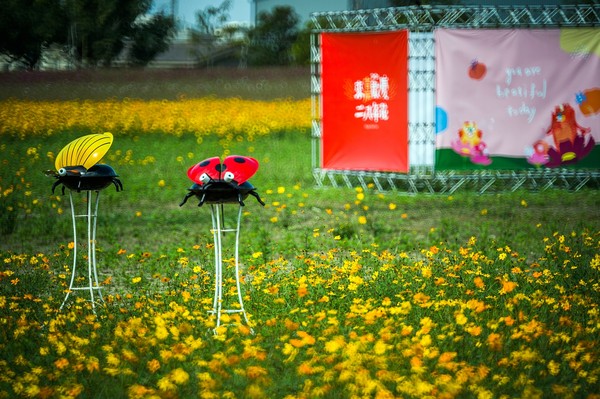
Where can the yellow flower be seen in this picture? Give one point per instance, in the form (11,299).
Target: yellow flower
(332,346)
(165,384)
(179,376)
(392,206)
(137,391)
(553,367)
(161,332)
(254,391)
(161,183)
(280,190)
(362,220)
(460,318)
(112,360)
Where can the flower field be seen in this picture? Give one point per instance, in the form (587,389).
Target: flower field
(201,117)
(350,293)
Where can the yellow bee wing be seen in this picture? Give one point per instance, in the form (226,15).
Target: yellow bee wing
(85,151)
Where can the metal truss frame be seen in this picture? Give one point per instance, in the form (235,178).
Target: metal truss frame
(421,21)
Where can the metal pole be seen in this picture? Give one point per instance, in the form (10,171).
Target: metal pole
(91,216)
(218,229)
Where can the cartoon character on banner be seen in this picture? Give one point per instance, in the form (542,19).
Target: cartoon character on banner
(470,144)
(572,142)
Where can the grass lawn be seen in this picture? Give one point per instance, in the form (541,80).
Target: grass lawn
(350,292)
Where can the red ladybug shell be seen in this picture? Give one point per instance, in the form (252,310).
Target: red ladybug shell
(242,168)
(210,166)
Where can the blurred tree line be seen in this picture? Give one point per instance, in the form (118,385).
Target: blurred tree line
(94,32)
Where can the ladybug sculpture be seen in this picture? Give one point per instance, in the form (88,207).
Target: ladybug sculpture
(222,183)
(77,168)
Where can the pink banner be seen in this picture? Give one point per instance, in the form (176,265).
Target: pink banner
(514,99)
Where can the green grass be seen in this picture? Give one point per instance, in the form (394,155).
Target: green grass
(350,293)
(417,221)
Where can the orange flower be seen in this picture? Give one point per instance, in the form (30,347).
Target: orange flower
(494,342)
(416,363)
(291,325)
(474,330)
(305,369)
(507,286)
(479,282)
(447,357)
(153,365)
(255,372)
(61,363)
(421,298)
(302,291)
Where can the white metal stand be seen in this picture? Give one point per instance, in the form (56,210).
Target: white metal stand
(90,214)
(218,230)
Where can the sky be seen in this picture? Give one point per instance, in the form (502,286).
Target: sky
(187,9)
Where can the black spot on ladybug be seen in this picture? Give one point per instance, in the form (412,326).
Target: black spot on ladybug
(220,167)
(205,163)
(239,159)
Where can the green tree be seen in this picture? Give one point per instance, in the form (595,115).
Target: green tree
(151,38)
(208,20)
(27,25)
(100,26)
(272,38)
(301,47)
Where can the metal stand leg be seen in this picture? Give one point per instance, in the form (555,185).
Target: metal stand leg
(218,231)
(92,275)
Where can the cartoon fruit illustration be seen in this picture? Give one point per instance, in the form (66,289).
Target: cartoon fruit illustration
(477,70)
(589,101)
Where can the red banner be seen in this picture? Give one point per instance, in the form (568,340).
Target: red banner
(364,101)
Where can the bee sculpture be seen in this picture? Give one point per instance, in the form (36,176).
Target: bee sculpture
(222,183)
(77,166)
